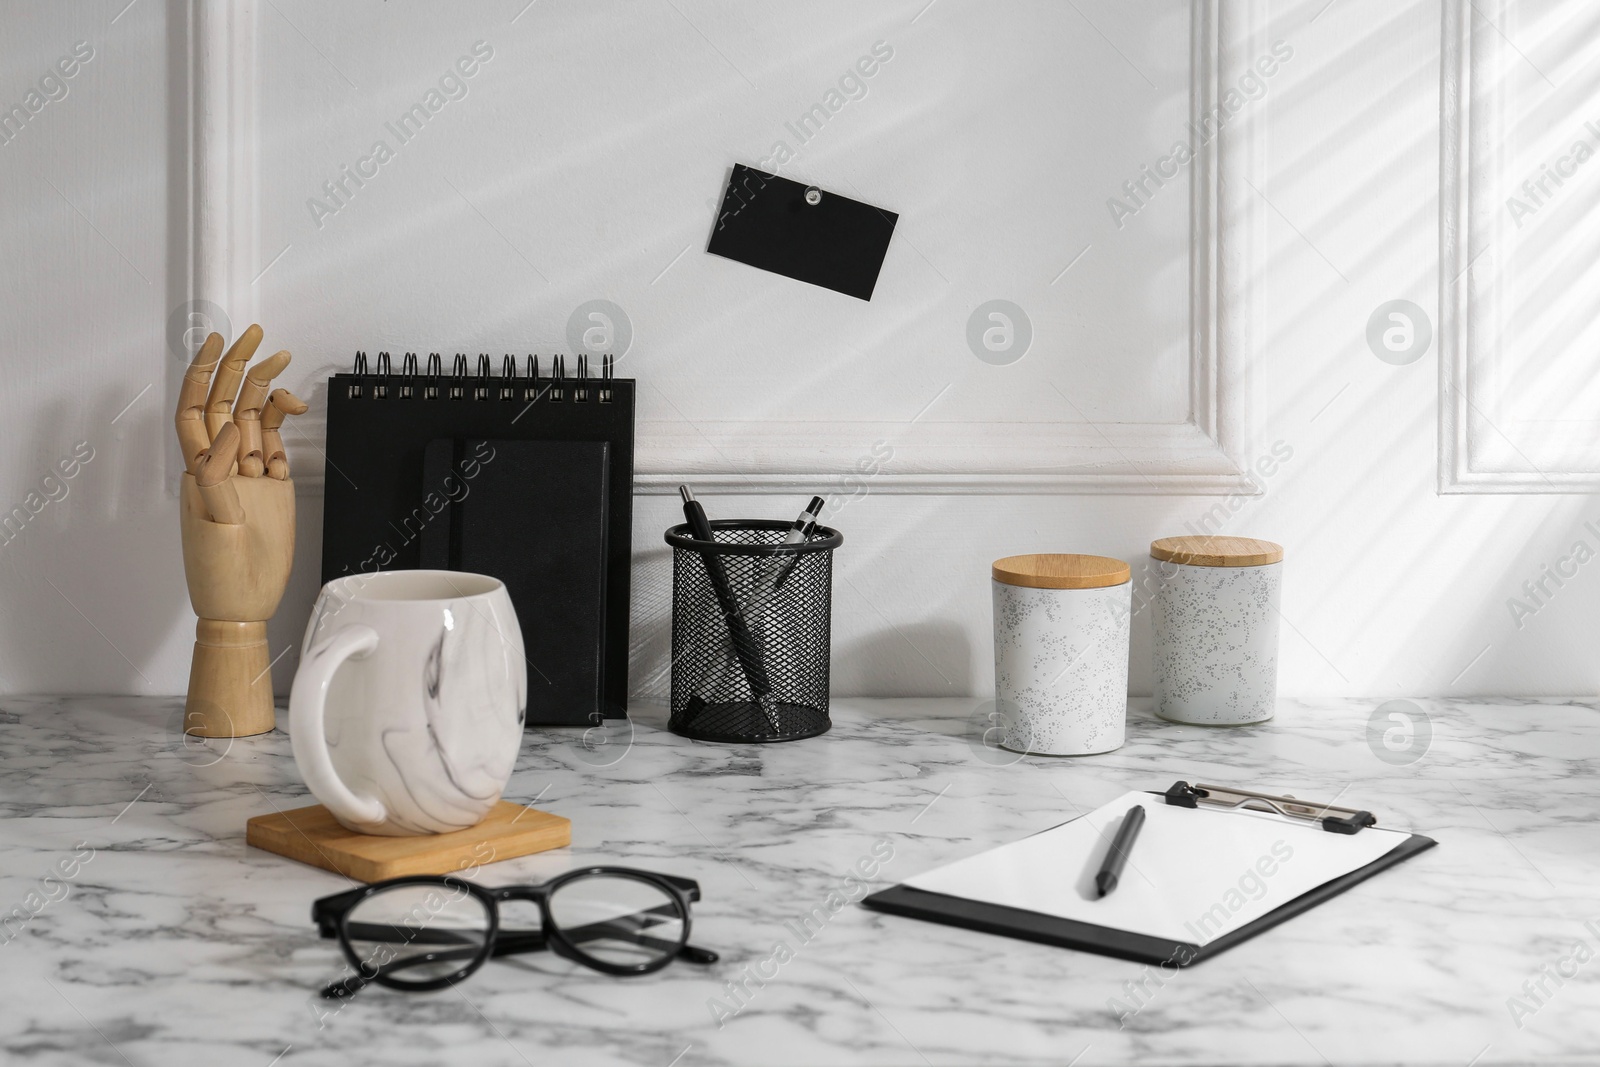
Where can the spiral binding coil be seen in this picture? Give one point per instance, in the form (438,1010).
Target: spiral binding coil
(463,382)
(435,371)
(508,371)
(408,370)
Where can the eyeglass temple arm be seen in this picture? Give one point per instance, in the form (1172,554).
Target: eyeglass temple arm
(627,928)
(386,933)
(690,887)
(504,946)
(350,986)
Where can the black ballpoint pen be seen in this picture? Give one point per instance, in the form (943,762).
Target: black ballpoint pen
(744,642)
(799,531)
(1117,854)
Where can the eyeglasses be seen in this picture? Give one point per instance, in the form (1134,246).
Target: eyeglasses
(429,931)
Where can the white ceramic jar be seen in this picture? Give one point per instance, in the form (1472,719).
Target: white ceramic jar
(1216,629)
(1061,652)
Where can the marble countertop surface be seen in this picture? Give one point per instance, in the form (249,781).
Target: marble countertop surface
(172,942)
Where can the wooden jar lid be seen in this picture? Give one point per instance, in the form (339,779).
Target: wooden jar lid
(1208,551)
(1055,570)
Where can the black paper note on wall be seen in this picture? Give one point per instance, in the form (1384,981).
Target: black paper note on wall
(835,242)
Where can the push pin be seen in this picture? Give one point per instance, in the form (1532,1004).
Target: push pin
(813,195)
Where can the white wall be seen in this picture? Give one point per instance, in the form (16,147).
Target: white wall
(91,588)
(584,160)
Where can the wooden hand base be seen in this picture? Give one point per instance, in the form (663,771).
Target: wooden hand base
(230,681)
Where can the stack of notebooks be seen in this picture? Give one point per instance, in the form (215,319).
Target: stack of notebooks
(525,477)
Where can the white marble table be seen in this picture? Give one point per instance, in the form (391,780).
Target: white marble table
(175,943)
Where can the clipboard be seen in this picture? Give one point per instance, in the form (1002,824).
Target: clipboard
(989,916)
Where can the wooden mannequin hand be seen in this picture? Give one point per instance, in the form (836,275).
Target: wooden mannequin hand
(237,521)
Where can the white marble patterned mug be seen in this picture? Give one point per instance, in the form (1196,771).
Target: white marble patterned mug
(407,709)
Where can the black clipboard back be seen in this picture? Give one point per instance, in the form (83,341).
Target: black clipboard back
(1108,941)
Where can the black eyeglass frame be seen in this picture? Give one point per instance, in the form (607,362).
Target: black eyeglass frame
(332,916)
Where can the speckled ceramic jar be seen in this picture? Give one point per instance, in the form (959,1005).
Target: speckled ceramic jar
(1215,615)
(1061,652)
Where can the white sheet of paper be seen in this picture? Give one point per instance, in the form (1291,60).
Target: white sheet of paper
(1193,875)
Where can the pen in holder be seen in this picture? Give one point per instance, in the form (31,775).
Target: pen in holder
(781,613)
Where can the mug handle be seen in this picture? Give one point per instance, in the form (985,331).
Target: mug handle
(307,702)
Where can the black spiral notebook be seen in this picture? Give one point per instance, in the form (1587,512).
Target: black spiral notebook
(522,476)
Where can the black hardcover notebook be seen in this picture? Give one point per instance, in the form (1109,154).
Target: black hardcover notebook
(522,476)
(1146,880)
(550,497)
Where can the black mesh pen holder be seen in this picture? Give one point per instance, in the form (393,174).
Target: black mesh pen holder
(760,672)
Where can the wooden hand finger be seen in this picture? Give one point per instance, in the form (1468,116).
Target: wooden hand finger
(287,403)
(279,404)
(247,414)
(219,405)
(193,437)
(211,476)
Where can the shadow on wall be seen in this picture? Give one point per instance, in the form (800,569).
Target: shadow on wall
(54,540)
(919,659)
(287,628)
(650,632)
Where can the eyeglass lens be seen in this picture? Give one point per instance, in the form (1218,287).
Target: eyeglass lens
(416,933)
(618,921)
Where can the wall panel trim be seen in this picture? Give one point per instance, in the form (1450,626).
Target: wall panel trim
(1203,455)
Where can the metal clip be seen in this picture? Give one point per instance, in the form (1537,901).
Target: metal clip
(1334,819)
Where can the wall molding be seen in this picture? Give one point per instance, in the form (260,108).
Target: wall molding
(217,203)
(215,272)
(1203,455)
(1206,454)
(1470,135)
(224,202)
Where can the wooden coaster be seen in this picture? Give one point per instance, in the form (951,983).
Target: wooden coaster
(312,835)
